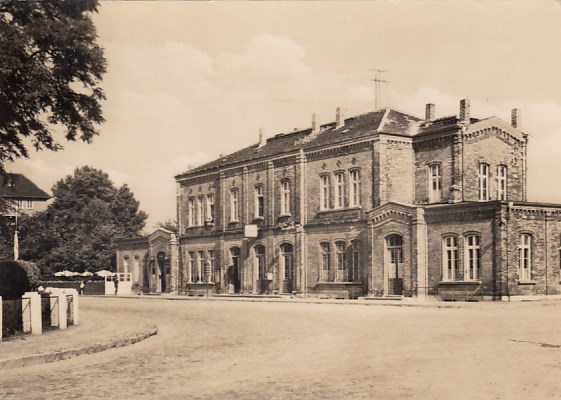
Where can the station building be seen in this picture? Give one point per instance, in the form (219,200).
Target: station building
(381,204)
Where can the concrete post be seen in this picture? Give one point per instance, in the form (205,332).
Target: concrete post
(420,234)
(58,312)
(75,307)
(33,324)
(174,261)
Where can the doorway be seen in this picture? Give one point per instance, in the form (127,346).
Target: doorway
(161,259)
(394,264)
(287,260)
(233,272)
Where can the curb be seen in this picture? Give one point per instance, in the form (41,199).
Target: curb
(66,354)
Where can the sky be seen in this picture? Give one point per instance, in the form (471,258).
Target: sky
(188,81)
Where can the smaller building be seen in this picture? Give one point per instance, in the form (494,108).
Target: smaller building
(151,260)
(23,196)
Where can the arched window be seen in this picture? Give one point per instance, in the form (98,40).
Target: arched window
(450,267)
(354,188)
(472,258)
(324,192)
(339,190)
(325,257)
(525,257)
(340,261)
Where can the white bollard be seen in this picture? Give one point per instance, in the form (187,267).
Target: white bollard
(74,294)
(33,324)
(59,312)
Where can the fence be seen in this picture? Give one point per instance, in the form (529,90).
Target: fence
(34,312)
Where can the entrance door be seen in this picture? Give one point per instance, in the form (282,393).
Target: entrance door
(161,257)
(233,274)
(394,264)
(287,257)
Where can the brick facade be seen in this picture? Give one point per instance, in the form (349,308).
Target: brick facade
(385,204)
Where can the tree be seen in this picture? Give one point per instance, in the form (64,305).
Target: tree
(169,224)
(50,70)
(79,228)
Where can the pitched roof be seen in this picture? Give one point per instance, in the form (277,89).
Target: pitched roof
(18,186)
(361,126)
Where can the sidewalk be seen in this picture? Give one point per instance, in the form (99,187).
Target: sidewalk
(96,332)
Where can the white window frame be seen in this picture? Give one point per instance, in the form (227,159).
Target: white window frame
(525,257)
(285,198)
(339,190)
(324,192)
(210,207)
(259,201)
(502,182)
(30,204)
(354,273)
(435,182)
(340,261)
(200,202)
(354,188)
(450,258)
(200,265)
(191,221)
(483,181)
(472,260)
(234,205)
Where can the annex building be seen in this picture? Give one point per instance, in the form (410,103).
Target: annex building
(381,204)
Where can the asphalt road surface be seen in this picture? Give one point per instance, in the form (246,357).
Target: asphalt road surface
(241,350)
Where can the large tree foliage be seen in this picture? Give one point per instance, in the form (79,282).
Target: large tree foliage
(50,70)
(79,228)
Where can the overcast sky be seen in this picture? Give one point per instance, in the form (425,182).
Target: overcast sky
(189,81)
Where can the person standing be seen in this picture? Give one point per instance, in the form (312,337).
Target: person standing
(116,283)
(82,285)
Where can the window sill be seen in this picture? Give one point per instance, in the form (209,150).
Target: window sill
(234,221)
(285,215)
(258,218)
(526,282)
(459,283)
(339,209)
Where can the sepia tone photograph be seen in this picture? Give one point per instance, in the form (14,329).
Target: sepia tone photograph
(280,200)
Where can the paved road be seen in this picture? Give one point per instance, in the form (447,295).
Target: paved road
(234,350)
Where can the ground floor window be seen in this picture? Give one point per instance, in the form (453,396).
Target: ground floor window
(450,258)
(525,256)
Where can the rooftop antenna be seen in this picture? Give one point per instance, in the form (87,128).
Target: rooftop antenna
(378,87)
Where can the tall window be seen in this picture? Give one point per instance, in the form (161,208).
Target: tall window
(210,207)
(191,211)
(29,204)
(354,188)
(483,182)
(473,258)
(341,265)
(285,198)
(339,190)
(260,259)
(525,256)
(200,265)
(354,274)
(324,192)
(259,202)
(200,210)
(325,262)
(234,204)
(211,262)
(287,260)
(450,270)
(192,267)
(435,183)
(501,182)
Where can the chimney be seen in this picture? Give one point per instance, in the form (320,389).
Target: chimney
(464,110)
(262,140)
(515,117)
(429,113)
(315,127)
(339,118)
